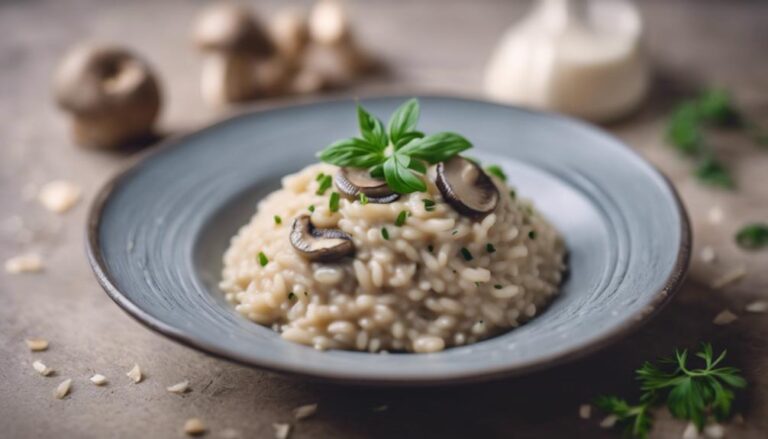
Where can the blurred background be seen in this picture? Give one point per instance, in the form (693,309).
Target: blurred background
(631,68)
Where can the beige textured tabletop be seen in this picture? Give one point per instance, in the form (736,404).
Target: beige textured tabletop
(429,46)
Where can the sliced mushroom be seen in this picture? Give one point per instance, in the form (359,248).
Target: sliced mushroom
(466,187)
(111,93)
(352,182)
(319,245)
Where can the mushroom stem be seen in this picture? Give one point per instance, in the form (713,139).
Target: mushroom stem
(227,77)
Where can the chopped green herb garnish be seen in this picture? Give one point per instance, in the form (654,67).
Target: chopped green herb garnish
(325,183)
(532,234)
(429,205)
(306,294)
(466,254)
(714,173)
(401,217)
(363,199)
(490,248)
(512,194)
(753,236)
(399,152)
(497,171)
(690,393)
(278,220)
(291,296)
(320,176)
(497,286)
(385,233)
(477,284)
(333,202)
(263,260)
(430,248)
(311,208)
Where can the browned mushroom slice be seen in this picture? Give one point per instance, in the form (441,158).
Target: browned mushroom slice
(319,245)
(352,182)
(466,187)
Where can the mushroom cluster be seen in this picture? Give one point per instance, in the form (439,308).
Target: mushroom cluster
(296,53)
(111,94)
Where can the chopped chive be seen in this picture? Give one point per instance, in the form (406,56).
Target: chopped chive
(263,261)
(320,176)
(497,286)
(429,205)
(401,218)
(477,284)
(497,171)
(278,220)
(306,294)
(512,194)
(333,203)
(454,232)
(291,296)
(311,208)
(385,233)
(325,183)
(467,255)
(430,248)
(532,234)
(363,199)
(490,248)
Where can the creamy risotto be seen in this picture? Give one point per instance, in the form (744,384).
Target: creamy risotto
(328,267)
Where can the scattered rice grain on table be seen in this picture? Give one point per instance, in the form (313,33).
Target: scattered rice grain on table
(725,317)
(609,421)
(729,277)
(98,379)
(135,374)
(281,430)
(59,195)
(41,368)
(585,411)
(25,263)
(194,427)
(63,389)
(36,344)
(758,306)
(304,411)
(181,387)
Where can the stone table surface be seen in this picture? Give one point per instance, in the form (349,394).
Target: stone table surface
(428,46)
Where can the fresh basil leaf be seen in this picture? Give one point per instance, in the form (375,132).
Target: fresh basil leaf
(399,178)
(497,171)
(356,153)
(377,171)
(436,148)
(714,173)
(407,137)
(418,166)
(404,120)
(753,236)
(371,128)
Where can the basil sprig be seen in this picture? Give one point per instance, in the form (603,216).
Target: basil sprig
(399,153)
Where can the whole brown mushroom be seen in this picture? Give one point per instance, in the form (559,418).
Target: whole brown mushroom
(111,94)
(239,61)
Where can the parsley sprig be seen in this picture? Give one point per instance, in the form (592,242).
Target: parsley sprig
(687,132)
(692,393)
(398,153)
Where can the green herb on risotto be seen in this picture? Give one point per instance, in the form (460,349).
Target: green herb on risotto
(497,171)
(401,217)
(363,199)
(512,194)
(430,248)
(455,232)
(490,248)
(333,202)
(532,234)
(320,176)
(497,286)
(311,208)
(466,254)
(753,236)
(477,284)
(429,205)
(400,153)
(291,296)
(278,220)
(325,183)
(385,233)
(263,260)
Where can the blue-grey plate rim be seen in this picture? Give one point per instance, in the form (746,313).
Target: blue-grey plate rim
(96,260)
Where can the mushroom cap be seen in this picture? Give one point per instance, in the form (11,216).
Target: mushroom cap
(466,187)
(328,23)
(103,80)
(290,31)
(352,181)
(319,245)
(231,28)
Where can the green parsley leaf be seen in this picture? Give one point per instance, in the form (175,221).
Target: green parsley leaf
(333,202)
(401,217)
(683,130)
(278,220)
(466,254)
(635,418)
(363,198)
(403,120)
(714,173)
(429,205)
(355,153)
(498,286)
(385,233)
(512,194)
(753,236)
(399,178)
(532,234)
(497,171)
(430,248)
(436,148)
(371,128)
(311,208)
(325,183)
(715,107)
(291,296)
(320,176)
(490,248)
(263,260)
